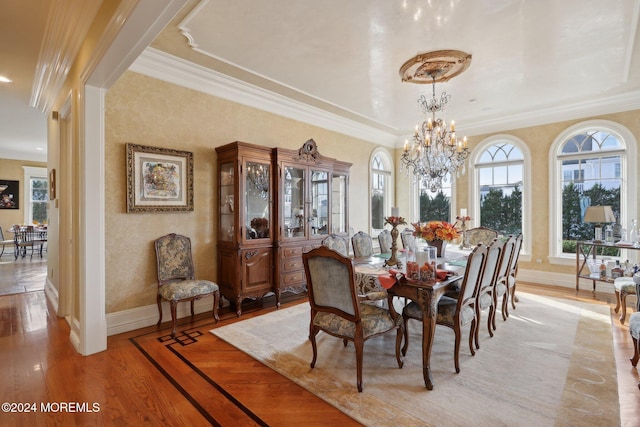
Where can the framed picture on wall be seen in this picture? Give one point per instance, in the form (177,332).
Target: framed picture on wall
(159,179)
(9,194)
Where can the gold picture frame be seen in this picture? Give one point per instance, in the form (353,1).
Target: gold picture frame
(159,179)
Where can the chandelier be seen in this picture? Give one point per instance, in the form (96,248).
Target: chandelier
(435,152)
(258,176)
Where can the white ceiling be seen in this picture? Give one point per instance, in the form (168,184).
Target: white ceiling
(534,61)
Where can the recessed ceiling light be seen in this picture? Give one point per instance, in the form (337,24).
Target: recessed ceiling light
(4,79)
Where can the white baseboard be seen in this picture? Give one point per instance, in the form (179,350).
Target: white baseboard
(52,295)
(561,279)
(141,317)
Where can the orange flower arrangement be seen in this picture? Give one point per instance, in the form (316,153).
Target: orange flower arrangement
(435,230)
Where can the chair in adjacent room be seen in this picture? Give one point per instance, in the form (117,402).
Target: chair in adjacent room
(455,313)
(337,310)
(362,244)
(176,278)
(337,243)
(485,235)
(385,241)
(5,242)
(26,238)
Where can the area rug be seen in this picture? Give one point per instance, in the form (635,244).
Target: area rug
(550,364)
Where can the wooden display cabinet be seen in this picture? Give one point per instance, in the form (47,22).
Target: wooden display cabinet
(245,223)
(312,202)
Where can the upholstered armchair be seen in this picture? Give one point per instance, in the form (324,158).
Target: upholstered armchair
(385,241)
(455,313)
(337,310)
(623,286)
(485,235)
(634,324)
(362,244)
(176,279)
(337,243)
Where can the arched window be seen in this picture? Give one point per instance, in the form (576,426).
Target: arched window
(435,206)
(381,194)
(591,162)
(500,187)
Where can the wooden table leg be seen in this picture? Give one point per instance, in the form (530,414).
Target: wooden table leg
(429,304)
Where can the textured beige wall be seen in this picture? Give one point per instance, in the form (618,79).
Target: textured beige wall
(147,111)
(12,170)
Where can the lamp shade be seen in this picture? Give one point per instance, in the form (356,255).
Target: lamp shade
(599,214)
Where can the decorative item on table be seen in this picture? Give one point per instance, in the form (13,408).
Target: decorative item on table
(436,233)
(261,227)
(422,264)
(463,219)
(599,215)
(394,221)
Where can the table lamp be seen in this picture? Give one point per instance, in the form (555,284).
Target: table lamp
(599,215)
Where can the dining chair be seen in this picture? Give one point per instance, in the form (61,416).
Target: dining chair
(337,310)
(362,244)
(502,279)
(407,237)
(455,313)
(476,235)
(176,278)
(385,241)
(634,324)
(623,286)
(4,242)
(513,271)
(487,286)
(337,243)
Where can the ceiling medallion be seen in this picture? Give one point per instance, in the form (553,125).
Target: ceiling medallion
(436,154)
(434,67)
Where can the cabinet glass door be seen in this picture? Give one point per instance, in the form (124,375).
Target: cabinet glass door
(339,203)
(293,206)
(319,202)
(257,194)
(226,202)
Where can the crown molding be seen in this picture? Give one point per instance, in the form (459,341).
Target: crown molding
(169,68)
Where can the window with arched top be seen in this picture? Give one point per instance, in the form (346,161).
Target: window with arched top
(591,167)
(381,194)
(500,187)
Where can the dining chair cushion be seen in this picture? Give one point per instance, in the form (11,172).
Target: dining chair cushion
(375,320)
(485,301)
(634,325)
(446,311)
(625,284)
(186,289)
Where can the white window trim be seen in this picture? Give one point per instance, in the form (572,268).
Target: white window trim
(387,160)
(628,199)
(474,179)
(29,173)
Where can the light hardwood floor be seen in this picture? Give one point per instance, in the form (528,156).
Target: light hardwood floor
(39,365)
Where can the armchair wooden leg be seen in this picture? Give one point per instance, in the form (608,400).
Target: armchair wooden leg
(623,303)
(174,320)
(216,303)
(159,301)
(636,352)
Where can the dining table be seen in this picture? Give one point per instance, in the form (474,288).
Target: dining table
(370,271)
